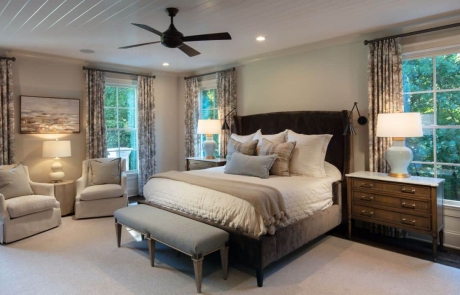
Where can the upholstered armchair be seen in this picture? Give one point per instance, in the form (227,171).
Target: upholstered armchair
(26,207)
(102,188)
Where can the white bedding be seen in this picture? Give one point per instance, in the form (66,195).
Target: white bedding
(303,197)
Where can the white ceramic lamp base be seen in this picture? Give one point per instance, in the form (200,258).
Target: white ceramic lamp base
(399,157)
(209,146)
(56,175)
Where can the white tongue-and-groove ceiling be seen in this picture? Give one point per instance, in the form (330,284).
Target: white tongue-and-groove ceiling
(64,27)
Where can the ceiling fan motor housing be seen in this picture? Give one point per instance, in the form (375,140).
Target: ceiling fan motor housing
(172,38)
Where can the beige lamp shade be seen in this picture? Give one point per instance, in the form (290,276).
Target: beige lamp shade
(56,149)
(208,127)
(399,125)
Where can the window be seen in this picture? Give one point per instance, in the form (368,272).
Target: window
(209,109)
(120,109)
(431,86)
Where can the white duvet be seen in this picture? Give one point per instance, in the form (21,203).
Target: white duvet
(303,197)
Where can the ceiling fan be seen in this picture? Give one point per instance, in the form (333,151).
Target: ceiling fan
(172,38)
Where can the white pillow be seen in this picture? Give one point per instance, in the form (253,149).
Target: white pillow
(245,138)
(274,138)
(309,153)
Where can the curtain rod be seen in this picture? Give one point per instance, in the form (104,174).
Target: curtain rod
(196,76)
(116,72)
(8,58)
(414,33)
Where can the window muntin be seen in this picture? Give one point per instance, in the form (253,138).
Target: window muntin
(120,111)
(431,86)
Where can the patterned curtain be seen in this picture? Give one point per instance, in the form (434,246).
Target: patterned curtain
(192,114)
(7,111)
(146,130)
(226,96)
(96,141)
(385,95)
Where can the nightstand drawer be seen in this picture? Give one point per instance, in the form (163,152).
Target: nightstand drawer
(368,199)
(407,189)
(366,184)
(196,165)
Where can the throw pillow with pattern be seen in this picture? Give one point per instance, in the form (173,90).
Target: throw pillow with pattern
(284,152)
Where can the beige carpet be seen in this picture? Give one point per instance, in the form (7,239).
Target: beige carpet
(81,257)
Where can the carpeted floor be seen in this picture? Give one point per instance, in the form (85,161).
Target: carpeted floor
(81,257)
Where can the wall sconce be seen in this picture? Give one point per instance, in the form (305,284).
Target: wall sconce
(349,129)
(225,125)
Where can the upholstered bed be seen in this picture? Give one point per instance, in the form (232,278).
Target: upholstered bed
(252,245)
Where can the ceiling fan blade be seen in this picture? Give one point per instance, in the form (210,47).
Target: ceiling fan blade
(141,44)
(208,37)
(150,29)
(188,50)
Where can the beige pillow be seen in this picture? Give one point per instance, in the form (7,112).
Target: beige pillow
(14,182)
(246,148)
(245,138)
(104,171)
(274,138)
(284,153)
(309,153)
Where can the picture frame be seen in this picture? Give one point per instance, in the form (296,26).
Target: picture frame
(49,115)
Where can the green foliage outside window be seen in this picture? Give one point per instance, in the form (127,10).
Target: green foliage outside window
(209,110)
(432,87)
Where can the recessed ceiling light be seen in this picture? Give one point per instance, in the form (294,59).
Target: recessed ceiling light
(87,51)
(260,38)
(165,64)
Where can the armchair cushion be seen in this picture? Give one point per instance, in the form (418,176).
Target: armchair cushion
(104,171)
(14,182)
(104,191)
(25,205)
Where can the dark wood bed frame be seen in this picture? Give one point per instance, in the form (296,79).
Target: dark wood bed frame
(259,252)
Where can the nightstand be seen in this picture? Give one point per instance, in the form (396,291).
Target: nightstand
(413,204)
(198,163)
(65,194)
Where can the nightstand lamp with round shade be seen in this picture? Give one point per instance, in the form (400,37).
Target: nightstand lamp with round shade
(399,126)
(209,127)
(56,149)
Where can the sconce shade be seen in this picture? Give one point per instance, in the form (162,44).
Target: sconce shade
(399,125)
(56,149)
(208,127)
(225,125)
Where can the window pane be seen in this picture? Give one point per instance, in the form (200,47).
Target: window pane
(452,183)
(422,103)
(128,139)
(127,118)
(209,114)
(448,71)
(112,139)
(110,98)
(422,147)
(132,165)
(110,117)
(448,145)
(418,74)
(208,99)
(126,97)
(448,104)
(425,170)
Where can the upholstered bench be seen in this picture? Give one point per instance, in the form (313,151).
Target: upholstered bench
(188,236)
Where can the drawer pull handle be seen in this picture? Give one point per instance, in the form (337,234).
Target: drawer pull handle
(410,206)
(366,198)
(409,222)
(404,190)
(368,185)
(364,212)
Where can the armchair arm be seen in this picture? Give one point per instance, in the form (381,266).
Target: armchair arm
(81,184)
(124,186)
(46,189)
(4,216)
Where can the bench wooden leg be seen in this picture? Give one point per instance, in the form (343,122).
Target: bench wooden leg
(198,267)
(118,232)
(224,261)
(152,252)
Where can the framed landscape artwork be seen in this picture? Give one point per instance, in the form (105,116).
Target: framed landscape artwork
(48,115)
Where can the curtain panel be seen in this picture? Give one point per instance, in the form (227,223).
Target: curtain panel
(7,112)
(146,130)
(385,95)
(192,114)
(226,97)
(96,141)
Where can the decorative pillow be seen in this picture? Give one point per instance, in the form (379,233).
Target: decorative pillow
(245,138)
(104,171)
(274,138)
(14,182)
(309,153)
(246,148)
(258,166)
(284,153)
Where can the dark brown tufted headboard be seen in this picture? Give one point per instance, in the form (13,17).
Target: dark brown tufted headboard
(339,151)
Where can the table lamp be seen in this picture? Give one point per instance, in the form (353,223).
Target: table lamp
(209,127)
(56,149)
(399,126)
